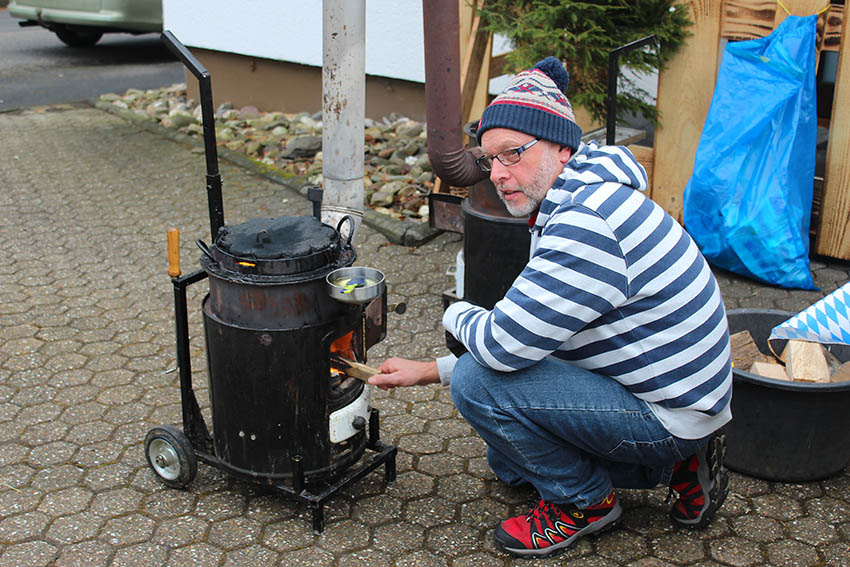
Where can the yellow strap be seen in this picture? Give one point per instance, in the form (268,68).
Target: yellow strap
(787,11)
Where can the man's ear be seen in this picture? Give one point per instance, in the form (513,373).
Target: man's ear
(564,154)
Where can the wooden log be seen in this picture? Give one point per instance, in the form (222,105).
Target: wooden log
(769,370)
(842,374)
(745,352)
(354,369)
(805,361)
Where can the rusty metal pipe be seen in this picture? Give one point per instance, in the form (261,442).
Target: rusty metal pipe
(450,160)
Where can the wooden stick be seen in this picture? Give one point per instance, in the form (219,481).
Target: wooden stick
(355,369)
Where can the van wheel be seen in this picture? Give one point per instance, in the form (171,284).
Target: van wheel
(77,38)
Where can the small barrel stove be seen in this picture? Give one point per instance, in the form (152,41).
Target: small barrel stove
(285,319)
(270,329)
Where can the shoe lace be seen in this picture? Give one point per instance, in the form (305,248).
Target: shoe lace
(543,510)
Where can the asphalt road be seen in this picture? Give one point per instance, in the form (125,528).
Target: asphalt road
(38,69)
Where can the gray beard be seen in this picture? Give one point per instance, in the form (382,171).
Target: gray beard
(536,191)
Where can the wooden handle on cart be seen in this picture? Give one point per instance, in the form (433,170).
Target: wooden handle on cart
(173,252)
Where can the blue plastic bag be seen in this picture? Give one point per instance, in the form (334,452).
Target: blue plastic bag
(748,203)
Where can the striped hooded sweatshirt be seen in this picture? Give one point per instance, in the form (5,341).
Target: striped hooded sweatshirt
(616,286)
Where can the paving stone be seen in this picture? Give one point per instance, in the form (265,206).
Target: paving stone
(22,527)
(792,554)
(126,530)
(396,538)
(141,555)
(234,533)
(31,553)
(251,556)
(460,488)
(66,501)
(196,555)
(88,553)
(288,535)
(758,528)
(430,512)
(75,528)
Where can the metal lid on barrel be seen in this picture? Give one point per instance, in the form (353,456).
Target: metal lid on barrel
(282,246)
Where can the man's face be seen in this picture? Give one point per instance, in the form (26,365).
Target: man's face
(523,185)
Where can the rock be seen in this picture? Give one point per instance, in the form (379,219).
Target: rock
(248,112)
(279,131)
(382,198)
(406,191)
(423,161)
(410,129)
(109,97)
(155,108)
(222,108)
(253,147)
(234,145)
(226,134)
(180,118)
(409,149)
(424,211)
(302,146)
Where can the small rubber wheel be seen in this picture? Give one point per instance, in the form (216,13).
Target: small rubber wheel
(76,37)
(171,456)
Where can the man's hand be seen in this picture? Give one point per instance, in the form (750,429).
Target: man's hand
(403,372)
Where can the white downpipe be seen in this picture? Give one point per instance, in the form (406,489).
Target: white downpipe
(343,109)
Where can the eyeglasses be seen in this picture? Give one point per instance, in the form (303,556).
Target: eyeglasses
(507,157)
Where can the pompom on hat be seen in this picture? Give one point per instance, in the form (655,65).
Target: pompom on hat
(535,103)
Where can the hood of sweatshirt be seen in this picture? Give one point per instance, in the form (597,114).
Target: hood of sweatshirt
(591,167)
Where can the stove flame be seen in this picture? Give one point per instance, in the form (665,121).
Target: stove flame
(342,346)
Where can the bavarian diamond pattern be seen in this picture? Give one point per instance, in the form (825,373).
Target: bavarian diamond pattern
(825,322)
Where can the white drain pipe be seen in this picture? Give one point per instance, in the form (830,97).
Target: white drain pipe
(343,109)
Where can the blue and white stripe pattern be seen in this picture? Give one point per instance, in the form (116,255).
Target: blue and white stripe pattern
(617,286)
(826,321)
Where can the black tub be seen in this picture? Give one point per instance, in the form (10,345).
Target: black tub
(786,431)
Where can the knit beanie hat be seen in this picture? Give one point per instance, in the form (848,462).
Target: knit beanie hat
(535,104)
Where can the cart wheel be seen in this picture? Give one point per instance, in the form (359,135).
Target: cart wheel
(171,456)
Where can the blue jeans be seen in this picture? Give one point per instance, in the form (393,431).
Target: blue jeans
(573,434)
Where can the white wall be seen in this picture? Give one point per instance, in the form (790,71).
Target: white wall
(289,30)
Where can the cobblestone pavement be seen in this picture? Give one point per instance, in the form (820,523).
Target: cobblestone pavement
(86,369)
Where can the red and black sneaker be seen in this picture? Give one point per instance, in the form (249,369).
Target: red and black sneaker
(551,528)
(701,483)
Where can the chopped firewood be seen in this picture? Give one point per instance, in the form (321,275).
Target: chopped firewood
(805,361)
(769,370)
(354,369)
(842,374)
(745,352)
(832,361)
